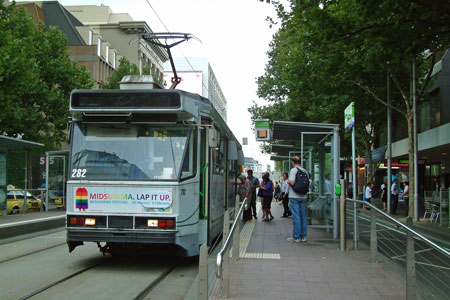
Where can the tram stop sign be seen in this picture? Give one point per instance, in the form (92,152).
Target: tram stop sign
(349,116)
(262,130)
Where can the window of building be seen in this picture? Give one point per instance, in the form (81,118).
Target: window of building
(107,53)
(99,46)
(90,37)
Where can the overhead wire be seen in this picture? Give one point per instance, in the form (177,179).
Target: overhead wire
(182,53)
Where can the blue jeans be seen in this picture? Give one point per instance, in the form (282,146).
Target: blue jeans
(298,209)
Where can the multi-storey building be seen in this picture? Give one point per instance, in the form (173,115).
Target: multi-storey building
(99,60)
(118,34)
(197,76)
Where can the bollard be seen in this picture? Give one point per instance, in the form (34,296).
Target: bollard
(410,264)
(342,219)
(373,236)
(202,286)
(225,280)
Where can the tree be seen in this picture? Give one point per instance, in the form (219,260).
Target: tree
(125,68)
(328,53)
(36,78)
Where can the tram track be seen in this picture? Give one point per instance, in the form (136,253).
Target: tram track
(50,285)
(140,295)
(31,253)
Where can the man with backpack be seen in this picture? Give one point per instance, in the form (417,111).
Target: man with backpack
(298,188)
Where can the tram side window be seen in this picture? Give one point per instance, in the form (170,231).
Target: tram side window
(190,158)
(219,159)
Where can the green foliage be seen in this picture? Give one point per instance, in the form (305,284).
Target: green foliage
(125,68)
(36,78)
(329,53)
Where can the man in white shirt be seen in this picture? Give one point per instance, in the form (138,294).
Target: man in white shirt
(285,195)
(394,198)
(297,203)
(368,192)
(405,196)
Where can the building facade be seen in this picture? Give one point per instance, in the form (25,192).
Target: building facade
(197,76)
(98,59)
(117,34)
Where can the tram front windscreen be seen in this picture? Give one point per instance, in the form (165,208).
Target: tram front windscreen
(131,152)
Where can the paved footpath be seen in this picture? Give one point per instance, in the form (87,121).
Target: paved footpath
(272,268)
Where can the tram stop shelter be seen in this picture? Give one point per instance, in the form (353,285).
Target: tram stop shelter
(320,148)
(8,143)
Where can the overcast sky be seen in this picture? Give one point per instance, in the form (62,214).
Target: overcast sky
(235,38)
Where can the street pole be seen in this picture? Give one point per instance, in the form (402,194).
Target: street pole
(355,210)
(389,145)
(416,169)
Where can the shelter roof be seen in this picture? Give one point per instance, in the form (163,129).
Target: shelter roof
(291,131)
(7,142)
(285,149)
(279,158)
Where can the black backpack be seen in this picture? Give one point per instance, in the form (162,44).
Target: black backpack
(301,185)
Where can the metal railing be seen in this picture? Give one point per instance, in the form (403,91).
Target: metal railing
(230,237)
(227,243)
(426,264)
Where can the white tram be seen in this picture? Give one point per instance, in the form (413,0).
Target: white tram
(148,167)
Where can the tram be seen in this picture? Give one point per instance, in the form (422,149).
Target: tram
(148,167)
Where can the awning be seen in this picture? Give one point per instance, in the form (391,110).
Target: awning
(7,142)
(285,149)
(279,158)
(291,131)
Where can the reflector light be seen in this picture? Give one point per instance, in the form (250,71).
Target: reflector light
(80,221)
(90,221)
(73,221)
(170,223)
(152,223)
(162,223)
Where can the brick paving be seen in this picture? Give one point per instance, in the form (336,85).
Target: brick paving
(314,270)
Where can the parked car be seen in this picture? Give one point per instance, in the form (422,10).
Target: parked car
(15,198)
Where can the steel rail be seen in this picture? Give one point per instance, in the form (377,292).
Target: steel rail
(426,240)
(226,245)
(38,291)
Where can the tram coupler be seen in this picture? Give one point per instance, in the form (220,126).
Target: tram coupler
(104,249)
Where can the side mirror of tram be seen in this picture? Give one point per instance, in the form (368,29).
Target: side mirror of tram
(213,138)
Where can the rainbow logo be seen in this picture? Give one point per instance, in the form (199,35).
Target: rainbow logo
(81,199)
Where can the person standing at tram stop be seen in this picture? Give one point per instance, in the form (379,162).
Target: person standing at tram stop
(245,191)
(285,196)
(394,193)
(405,196)
(368,193)
(384,194)
(297,204)
(267,187)
(254,183)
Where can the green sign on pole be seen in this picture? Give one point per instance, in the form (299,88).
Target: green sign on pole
(349,116)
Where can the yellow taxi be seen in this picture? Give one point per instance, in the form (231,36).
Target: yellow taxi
(15,198)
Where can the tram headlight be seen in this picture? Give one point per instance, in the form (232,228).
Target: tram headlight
(90,221)
(152,223)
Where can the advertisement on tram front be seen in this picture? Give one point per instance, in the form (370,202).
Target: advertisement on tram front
(116,199)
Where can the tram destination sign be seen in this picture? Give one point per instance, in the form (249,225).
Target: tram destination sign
(125,99)
(115,199)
